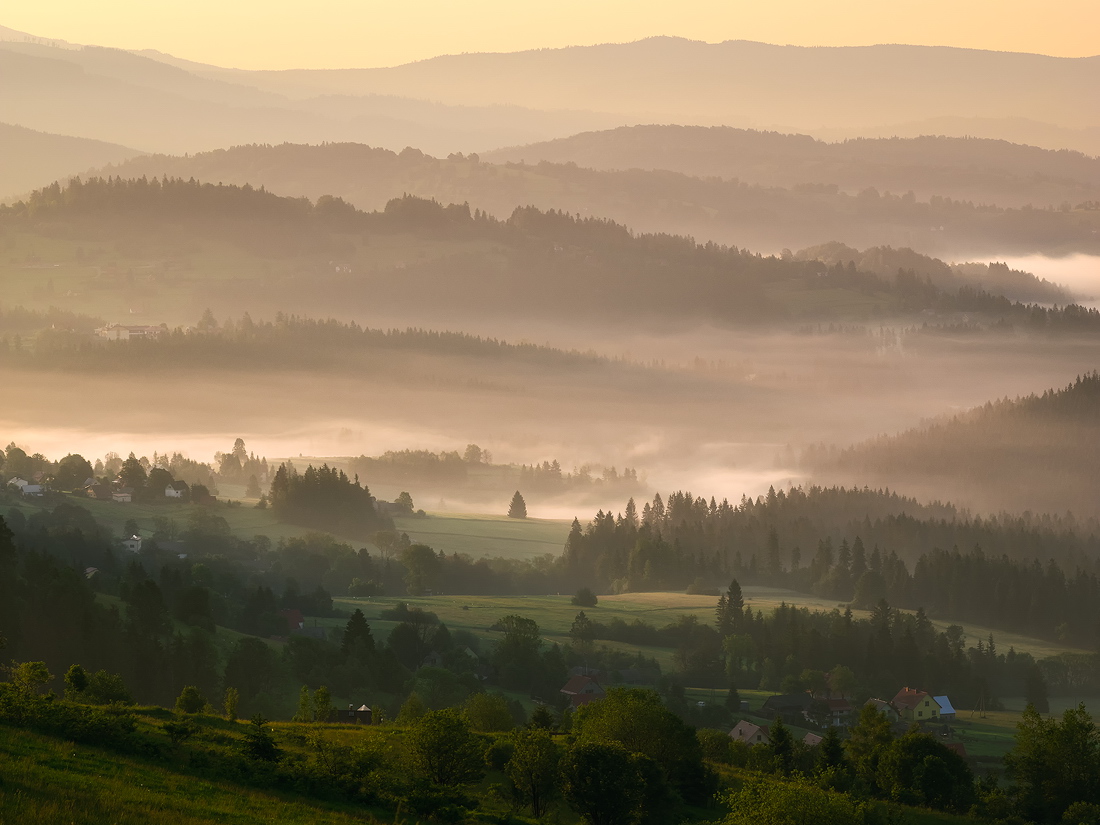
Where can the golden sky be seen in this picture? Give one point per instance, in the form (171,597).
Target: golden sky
(278,34)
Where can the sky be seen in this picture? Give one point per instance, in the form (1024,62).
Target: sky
(282,34)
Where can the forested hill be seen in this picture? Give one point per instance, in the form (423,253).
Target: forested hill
(1039,453)
(758,214)
(976,169)
(417,256)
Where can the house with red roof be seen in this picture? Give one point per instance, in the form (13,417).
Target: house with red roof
(582,689)
(915,705)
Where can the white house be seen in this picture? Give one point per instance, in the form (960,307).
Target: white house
(123,496)
(118,332)
(175,490)
(133,544)
(18,482)
(750,734)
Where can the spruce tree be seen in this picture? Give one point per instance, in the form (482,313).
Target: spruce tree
(518,507)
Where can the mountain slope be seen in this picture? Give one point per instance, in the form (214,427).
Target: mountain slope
(1040,453)
(33,158)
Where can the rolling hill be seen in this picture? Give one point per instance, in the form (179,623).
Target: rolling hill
(32,158)
(1040,453)
(963,168)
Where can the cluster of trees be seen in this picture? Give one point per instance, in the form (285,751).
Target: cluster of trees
(667,544)
(327,499)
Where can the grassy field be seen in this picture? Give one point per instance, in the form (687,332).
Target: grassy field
(476,535)
(481,535)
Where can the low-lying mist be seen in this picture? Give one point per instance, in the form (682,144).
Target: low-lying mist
(712,411)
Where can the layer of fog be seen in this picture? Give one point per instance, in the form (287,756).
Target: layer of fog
(722,414)
(1079,273)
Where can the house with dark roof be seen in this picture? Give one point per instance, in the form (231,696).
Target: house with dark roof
(915,705)
(353,715)
(790,706)
(581,690)
(840,712)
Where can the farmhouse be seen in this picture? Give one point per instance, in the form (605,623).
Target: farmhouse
(884,708)
(751,734)
(118,332)
(177,489)
(789,706)
(915,705)
(354,716)
(840,712)
(582,689)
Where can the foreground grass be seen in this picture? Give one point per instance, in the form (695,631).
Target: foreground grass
(45,780)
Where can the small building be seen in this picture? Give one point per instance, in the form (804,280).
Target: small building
(133,544)
(840,712)
(120,332)
(751,734)
(957,747)
(18,482)
(581,690)
(123,495)
(33,490)
(790,706)
(353,715)
(915,705)
(883,707)
(177,489)
(811,740)
(947,710)
(100,492)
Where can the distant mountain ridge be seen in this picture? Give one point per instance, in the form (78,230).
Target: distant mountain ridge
(34,158)
(549,93)
(977,169)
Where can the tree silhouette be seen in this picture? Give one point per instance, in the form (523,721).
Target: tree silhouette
(518,507)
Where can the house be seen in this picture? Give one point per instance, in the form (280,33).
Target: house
(947,710)
(119,332)
(915,705)
(840,712)
(133,544)
(750,734)
(811,740)
(100,492)
(582,689)
(33,490)
(884,708)
(123,495)
(957,747)
(18,482)
(177,489)
(789,706)
(353,715)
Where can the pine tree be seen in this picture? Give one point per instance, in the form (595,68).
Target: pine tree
(518,507)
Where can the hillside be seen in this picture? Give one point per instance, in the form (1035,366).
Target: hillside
(32,158)
(424,261)
(765,218)
(1039,453)
(963,168)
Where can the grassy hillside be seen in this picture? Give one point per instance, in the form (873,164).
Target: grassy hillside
(48,781)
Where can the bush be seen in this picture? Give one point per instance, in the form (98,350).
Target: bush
(585,598)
